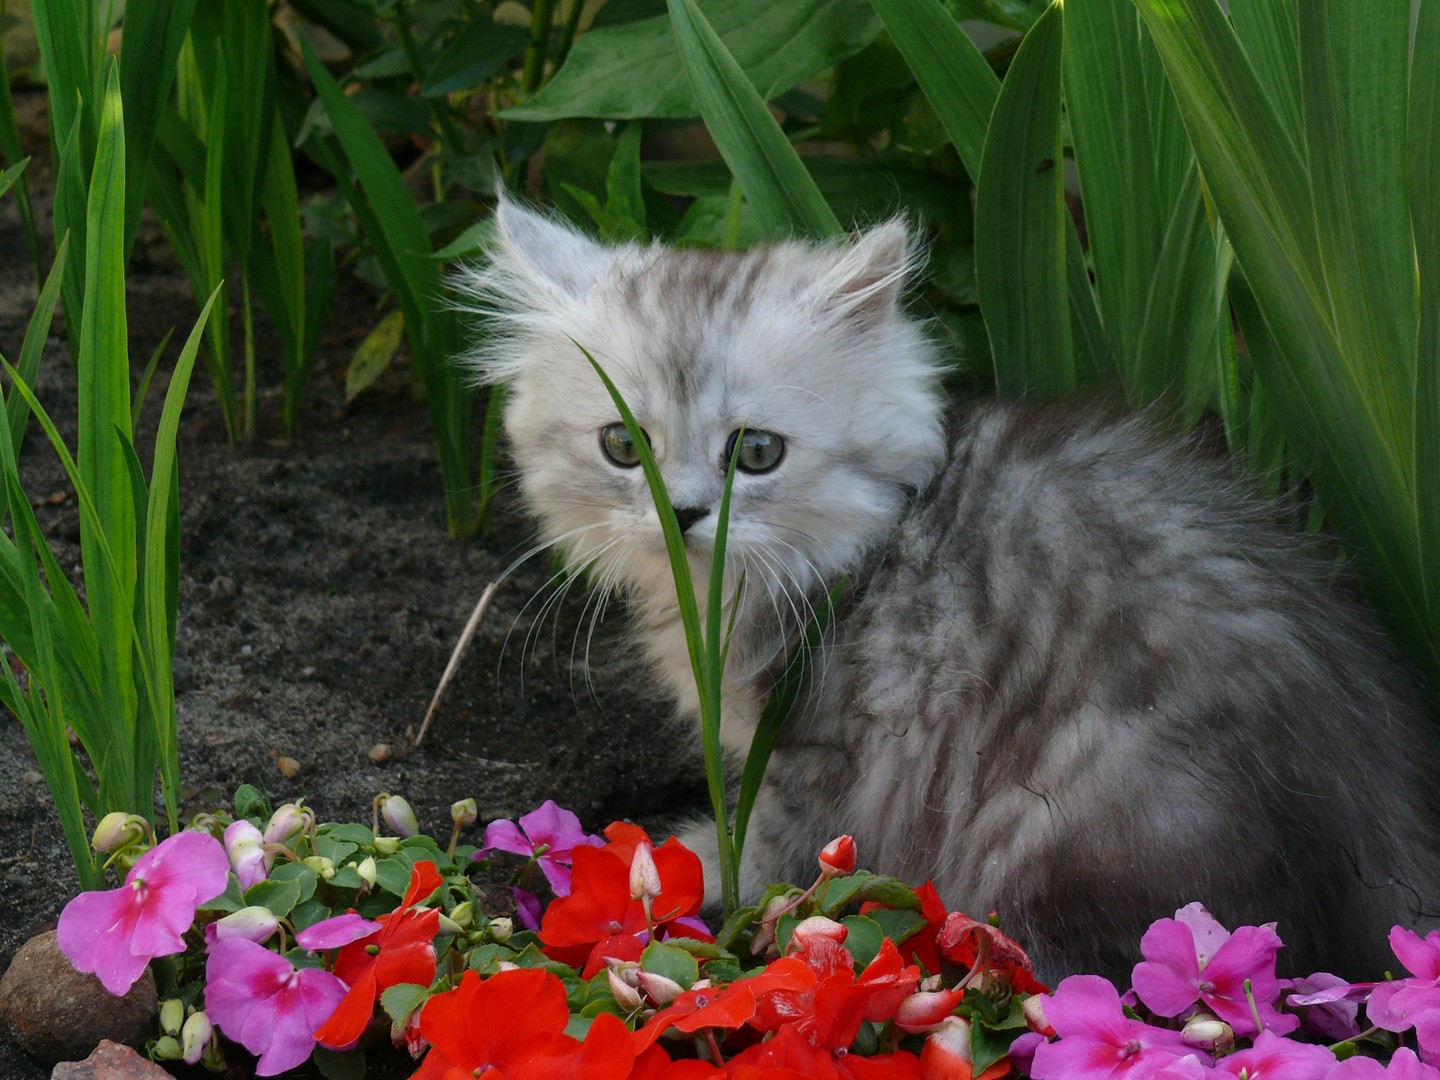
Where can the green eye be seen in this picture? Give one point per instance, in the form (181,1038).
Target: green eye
(760,451)
(619,447)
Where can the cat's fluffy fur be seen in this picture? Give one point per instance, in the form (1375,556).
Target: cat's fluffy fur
(1077,677)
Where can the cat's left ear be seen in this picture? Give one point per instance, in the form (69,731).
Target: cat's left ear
(867,277)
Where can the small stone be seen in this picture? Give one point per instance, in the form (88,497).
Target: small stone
(381,752)
(31,776)
(289,767)
(59,1014)
(223,591)
(247,650)
(110,1061)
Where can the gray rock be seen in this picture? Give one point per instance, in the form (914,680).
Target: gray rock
(59,1014)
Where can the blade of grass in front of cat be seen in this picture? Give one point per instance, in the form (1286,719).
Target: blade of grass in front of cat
(782,193)
(707,678)
(1021,222)
(776,712)
(1424,149)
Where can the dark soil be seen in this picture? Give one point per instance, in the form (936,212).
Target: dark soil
(320,597)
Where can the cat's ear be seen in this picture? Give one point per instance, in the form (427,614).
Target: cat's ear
(548,252)
(868,276)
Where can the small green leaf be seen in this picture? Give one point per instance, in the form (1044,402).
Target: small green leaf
(402,999)
(674,964)
(863,938)
(375,354)
(279,896)
(339,1064)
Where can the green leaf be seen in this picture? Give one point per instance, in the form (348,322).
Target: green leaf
(374,355)
(1021,224)
(279,896)
(339,1064)
(32,348)
(599,78)
(775,182)
(352,832)
(863,938)
(674,964)
(402,999)
(476,53)
(1424,149)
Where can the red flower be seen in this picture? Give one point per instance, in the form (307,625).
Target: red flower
(728,1007)
(512,1023)
(600,918)
(921,948)
(401,951)
(961,939)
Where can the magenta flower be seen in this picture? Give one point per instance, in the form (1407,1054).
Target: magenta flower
(336,931)
(548,833)
(1328,1005)
(245,845)
(1403,1066)
(266,1004)
(1412,1002)
(1192,957)
(1276,1058)
(115,934)
(1097,1041)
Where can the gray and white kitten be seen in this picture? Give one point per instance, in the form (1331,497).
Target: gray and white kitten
(1077,678)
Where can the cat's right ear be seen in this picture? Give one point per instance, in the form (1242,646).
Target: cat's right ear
(552,255)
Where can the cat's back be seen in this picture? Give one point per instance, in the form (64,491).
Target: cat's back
(1088,671)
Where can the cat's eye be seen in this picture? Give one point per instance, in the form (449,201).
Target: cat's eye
(760,451)
(619,447)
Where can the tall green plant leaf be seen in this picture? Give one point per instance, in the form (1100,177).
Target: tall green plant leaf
(775,182)
(1021,224)
(32,348)
(600,76)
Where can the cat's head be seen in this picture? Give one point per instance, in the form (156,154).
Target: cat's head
(802,345)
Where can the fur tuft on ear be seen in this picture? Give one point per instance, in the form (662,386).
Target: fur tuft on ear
(549,253)
(868,276)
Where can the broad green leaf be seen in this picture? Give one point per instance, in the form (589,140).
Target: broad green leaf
(1021,224)
(1269,31)
(775,182)
(602,76)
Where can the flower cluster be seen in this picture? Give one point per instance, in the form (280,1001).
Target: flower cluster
(298,935)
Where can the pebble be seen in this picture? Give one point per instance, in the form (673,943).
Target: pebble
(289,767)
(381,753)
(110,1061)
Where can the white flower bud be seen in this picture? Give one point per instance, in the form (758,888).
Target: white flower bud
(286,822)
(398,815)
(658,988)
(195,1038)
(167,1048)
(386,845)
(1209,1032)
(501,927)
(366,869)
(464,813)
(626,995)
(644,874)
(117,830)
(253,923)
(172,1015)
(321,865)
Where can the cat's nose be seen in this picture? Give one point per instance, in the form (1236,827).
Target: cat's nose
(688,515)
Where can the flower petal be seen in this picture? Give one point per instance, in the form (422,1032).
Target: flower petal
(1167,980)
(336,931)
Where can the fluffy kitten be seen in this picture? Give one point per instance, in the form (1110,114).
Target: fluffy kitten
(1076,678)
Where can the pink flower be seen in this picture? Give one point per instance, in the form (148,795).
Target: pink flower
(115,934)
(246,847)
(548,833)
(1193,957)
(336,931)
(261,1001)
(1328,1005)
(1412,1002)
(1403,1066)
(1276,1058)
(1097,1041)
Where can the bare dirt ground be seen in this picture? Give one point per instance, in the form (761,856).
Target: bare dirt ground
(320,597)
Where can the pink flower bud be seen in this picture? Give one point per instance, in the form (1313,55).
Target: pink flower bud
(398,815)
(1034,1008)
(926,1010)
(627,996)
(946,1053)
(817,927)
(286,822)
(764,935)
(246,848)
(837,858)
(658,988)
(195,1037)
(252,923)
(644,875)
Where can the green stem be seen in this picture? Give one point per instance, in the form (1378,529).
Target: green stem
(247,419)
(534,68)
(567,36)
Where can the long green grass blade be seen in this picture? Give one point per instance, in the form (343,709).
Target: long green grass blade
(1423,146)
(32,348)
(12,152)
(1270,32)
(103,376)
(780,191)
(395,228)
(777,711)
(1335,397)
(955,76)
(1021,224)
